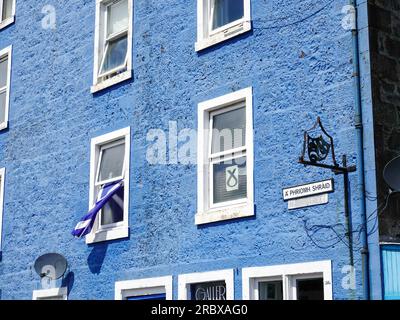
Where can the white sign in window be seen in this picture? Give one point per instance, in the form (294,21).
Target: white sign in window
(208,291)
(228,154)
(225,158)
(212,285)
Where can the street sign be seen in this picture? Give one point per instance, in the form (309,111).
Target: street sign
(308,201)
(307,190)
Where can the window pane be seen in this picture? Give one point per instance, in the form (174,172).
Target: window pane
(115,55)
(118,17)
(310,289)
(112,162)
(3,107)
(270,290)
(230,180)
(226,11)
(208,291)
(229,130)
(113,211)
(3,72)
(7,9)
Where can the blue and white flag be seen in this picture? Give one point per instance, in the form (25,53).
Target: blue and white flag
(85,225)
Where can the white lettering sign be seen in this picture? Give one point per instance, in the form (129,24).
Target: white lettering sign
(307,190)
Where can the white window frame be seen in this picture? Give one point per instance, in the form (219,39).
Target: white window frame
(2,192)
(6,22)
(289,273)
(206,211)
(99,47)
(142,287)
(50,293)
(207,37)
(186,280)
(6,52)
(121,229)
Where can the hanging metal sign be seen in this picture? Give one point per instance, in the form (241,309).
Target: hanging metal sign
(307,190)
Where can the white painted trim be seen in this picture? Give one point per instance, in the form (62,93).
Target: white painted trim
(185,280)
(50,293)
(7,52)
(288,272)
(206,214)
(98,48)
(144,286)
(9,20)
(122,230)
(2,192)
(205,38)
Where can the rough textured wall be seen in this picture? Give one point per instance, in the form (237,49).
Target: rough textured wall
(297,58)
(385,62)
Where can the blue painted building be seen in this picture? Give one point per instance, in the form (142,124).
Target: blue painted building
(198,110)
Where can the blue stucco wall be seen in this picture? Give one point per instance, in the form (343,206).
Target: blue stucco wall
(297,73)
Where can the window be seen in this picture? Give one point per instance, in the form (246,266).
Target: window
(5,75)
(219,20)
(214,285)
(113,45)
(7,10)
(110,164)
(144,289)
(51,294)
(2,178)
(225,158)
(301,281)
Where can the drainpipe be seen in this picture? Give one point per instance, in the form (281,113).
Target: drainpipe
(360,153)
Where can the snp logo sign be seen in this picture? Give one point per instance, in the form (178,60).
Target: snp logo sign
(232,178)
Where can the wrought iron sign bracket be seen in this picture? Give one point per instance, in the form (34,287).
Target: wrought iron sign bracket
(319,148)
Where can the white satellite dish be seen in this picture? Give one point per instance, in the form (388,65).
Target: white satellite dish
(51,265)
(391,174)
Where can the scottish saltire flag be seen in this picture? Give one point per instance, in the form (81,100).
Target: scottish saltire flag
(85,225)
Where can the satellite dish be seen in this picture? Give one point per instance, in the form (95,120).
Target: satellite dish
(391,174)
(51,265)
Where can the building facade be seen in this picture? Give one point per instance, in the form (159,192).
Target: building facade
(195,112)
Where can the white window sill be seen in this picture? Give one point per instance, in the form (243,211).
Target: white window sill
(227,213)
(3,125)
(107,235)
(223,35)
(112,81)
(7,22)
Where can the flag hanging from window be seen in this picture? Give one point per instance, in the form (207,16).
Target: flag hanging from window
(85,225)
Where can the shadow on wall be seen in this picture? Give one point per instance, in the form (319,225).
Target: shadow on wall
(68,281)
(96,257)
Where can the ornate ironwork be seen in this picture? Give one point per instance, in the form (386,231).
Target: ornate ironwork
(319,147)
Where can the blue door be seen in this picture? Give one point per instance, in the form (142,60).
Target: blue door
(391,271)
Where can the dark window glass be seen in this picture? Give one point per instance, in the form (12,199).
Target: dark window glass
(113,210)
(270,290)
(310,289)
